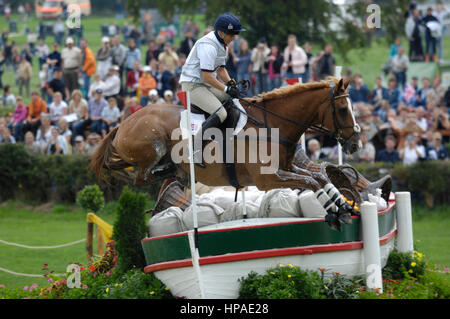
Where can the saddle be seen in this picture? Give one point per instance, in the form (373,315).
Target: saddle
(233,116)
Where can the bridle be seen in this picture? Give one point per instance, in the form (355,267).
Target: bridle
(338,129)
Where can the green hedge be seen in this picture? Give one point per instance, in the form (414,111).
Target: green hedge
(43,178)
(59,177)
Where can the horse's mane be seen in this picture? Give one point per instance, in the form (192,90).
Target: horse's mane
(286,91)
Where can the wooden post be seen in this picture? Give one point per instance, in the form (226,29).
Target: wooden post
(89,237)
(100,249)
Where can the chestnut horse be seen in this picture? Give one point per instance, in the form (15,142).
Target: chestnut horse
(144,140)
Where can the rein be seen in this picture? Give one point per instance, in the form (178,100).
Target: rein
(318,128)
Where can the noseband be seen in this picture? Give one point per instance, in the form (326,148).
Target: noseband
(338,129)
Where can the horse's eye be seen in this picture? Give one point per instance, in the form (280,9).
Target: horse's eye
(343,111)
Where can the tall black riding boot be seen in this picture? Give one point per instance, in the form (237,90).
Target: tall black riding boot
(212,121)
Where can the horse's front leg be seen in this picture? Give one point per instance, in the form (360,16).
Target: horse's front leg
(317,176)
(288,179)
(326,193)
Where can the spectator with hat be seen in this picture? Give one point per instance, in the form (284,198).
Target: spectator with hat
(71,62)
(80,146)
(112,83)
(154,97)
(104,58)
(146,83)
(168,97)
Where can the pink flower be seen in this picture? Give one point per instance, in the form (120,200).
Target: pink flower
(25,288)
(2,286)
(32,287)
(50,280)
(84,287)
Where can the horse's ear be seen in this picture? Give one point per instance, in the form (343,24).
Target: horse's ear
(340,86)
(346,83)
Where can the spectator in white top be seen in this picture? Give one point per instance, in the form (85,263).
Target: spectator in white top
(412,152)
(42,52)
(295,60)
(71,62)
(153,97)
(112,82)
(97,84)
(110,116)
(168,97)
(367,152)
(421,119)
(58,108)
(57,143)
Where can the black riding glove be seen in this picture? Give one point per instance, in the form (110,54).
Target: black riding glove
(232,91)
(232,82)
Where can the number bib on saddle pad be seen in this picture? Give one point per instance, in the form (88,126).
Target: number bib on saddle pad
(198,119)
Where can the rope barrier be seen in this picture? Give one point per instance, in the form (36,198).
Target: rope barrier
(42,247)
(19,273)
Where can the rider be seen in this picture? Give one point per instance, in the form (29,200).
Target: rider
(205,66)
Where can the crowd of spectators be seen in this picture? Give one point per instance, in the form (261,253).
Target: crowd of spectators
(84,93)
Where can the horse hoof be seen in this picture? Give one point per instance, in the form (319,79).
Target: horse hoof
(333,221)
(345,218)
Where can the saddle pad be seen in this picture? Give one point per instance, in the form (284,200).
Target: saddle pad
(196,123)
(198,119)
(242,117)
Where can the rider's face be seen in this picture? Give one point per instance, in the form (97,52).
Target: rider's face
(228,38)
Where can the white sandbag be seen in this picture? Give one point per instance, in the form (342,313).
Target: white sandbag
(208,213)
(381,203)
(282,202)
(225,198)
(310,206)
(234,212)
(168,221)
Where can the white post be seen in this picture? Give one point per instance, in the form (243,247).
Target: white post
(337,73)
(404,222)
(193,236)
(371,242)
(303,137)
(244,207)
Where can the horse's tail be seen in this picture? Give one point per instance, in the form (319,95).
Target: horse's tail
(105,156)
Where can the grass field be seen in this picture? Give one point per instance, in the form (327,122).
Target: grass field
(63,223)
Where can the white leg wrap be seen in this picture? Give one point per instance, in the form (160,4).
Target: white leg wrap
(325,201)
(334,194)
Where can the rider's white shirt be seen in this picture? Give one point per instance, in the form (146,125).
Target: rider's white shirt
(208,54)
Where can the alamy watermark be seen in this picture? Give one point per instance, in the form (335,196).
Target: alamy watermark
(73,20)
(374,19)
(250,145)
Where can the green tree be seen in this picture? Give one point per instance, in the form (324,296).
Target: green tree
(129,229)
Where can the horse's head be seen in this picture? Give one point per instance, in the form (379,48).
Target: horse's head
(339,119)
